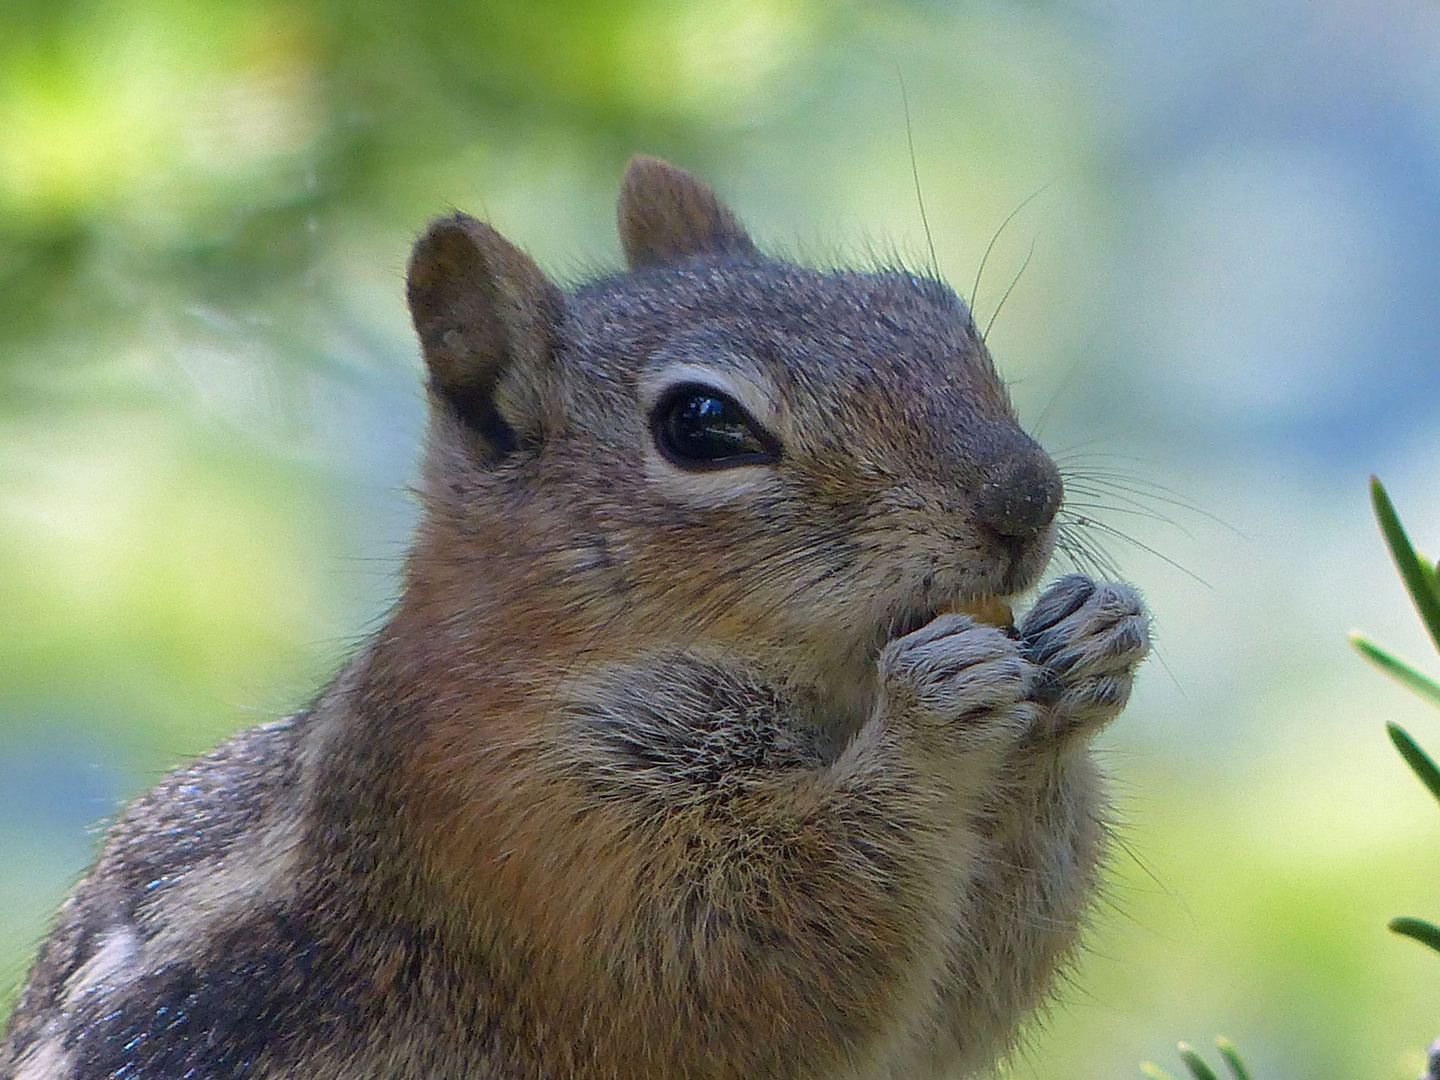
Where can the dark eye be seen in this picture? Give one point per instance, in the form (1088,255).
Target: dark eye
(698,427)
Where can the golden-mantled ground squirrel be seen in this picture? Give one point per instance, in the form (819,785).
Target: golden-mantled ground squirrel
(675,758)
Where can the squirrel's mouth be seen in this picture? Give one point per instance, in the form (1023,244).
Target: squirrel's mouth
(990,600)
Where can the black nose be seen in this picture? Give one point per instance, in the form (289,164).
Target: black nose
(1021,496)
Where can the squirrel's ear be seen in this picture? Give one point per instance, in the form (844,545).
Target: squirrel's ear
(666,213)
(483,309)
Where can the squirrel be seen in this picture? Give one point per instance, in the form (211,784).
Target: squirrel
(681,753)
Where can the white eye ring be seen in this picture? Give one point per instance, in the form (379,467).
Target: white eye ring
(748,392)
(707,485)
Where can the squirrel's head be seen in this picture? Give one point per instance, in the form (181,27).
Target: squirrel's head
(715,448)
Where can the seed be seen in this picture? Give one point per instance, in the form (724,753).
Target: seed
(990,610)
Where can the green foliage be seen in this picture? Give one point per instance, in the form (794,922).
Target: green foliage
(1417,759)
(1392,665)
(1424,932)
(1423,584)
(1418,574)
(1198,1067)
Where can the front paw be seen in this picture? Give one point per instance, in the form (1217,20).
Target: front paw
(964,682)
(1087,639)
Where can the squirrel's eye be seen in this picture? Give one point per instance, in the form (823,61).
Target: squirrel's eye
(697,427)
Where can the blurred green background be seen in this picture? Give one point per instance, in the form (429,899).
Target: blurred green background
(210,399)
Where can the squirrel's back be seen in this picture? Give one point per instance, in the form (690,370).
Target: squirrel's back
(242,921)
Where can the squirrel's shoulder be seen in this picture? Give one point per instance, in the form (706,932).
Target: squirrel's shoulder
(182,860)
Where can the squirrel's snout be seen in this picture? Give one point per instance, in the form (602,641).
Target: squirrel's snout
(1020,498)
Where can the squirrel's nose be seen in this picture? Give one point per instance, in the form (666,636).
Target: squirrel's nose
(1021,496)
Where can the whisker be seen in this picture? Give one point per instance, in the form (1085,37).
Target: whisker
(1128,507)
(1097,547)
(1082,357)
(1015,281)
(975,289)
(1082,556)
(1141,488)
(1119,534)
(915,174)
(1090,558)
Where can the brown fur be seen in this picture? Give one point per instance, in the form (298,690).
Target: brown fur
(662,767)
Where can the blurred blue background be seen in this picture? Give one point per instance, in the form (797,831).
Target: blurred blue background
(210,399)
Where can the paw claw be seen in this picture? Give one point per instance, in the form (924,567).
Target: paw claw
(1061,600)
(1088,639)
(966,677)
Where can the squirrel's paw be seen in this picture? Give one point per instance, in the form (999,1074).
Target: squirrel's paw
(1087,639)
(965,679)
